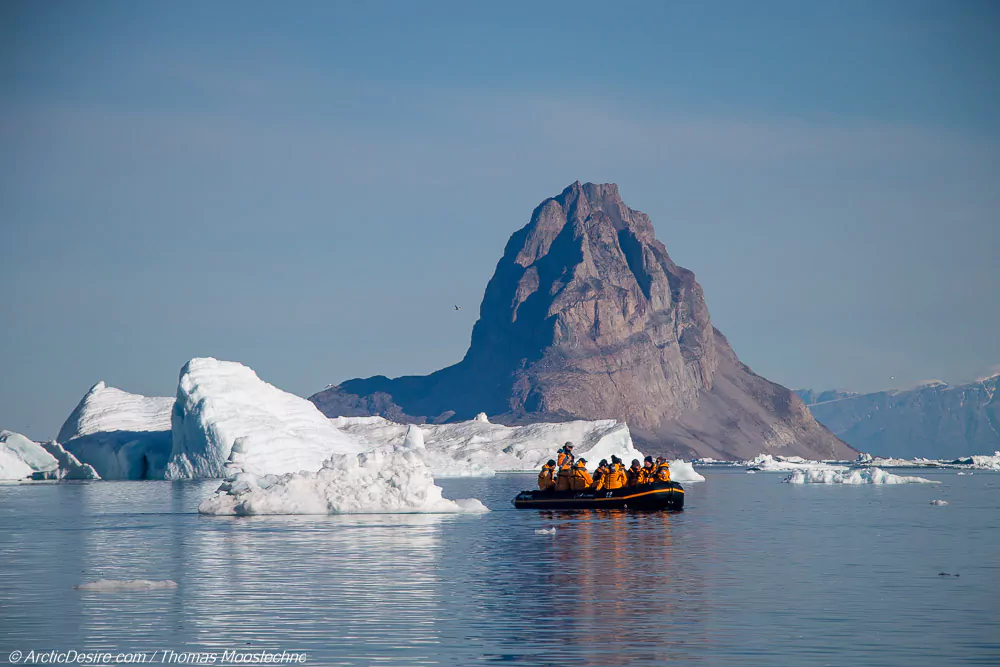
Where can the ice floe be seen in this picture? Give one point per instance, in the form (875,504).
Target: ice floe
(110,585)
(939,503)
(479,448)
(858,476)
(390,480)
(219,402)
(769,463)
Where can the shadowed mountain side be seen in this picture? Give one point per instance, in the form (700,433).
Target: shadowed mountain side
(587,317)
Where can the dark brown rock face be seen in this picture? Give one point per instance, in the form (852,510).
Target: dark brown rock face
(587,317)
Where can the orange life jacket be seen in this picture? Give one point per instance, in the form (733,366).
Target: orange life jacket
(634,476)
(563,479)
(662,473)
(545,480)
(580,479)
(616,477)
(565,459)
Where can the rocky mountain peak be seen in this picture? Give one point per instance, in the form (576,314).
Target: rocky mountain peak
(586,316)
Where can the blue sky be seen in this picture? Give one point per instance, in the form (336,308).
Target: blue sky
(308,188)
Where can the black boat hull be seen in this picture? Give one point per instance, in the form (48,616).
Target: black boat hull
(658,496)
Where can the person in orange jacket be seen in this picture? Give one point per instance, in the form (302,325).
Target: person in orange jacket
(617,477)
(634,474)
(546,478)
(600,474)
(581,479)
(662,472)
(648,471)
(564,457)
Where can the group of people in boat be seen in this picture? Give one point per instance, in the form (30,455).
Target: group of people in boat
(567,473)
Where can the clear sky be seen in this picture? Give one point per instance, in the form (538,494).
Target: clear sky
(308,188)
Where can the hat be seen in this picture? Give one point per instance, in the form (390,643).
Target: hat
(635,462)
(604,462)
(649,459)
(582,460)
(568,445)
(551,462)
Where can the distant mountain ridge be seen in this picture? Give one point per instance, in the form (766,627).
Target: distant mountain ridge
(587,317)
(934,420)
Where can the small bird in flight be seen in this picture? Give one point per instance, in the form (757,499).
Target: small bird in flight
(458,308)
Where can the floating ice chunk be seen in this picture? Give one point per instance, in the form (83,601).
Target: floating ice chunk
(545,531)
(768,462)
(70,467)
(965,473)
(682,471)
(866,476)
(481,417)
(939,502)
(22,458)
(220,401)
(109,585)
(394,480)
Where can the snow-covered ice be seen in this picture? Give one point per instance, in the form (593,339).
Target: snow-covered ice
(478,448)
(122,435)
(105,408)
(865,476)
(768,462)
(939,503)
(221,401)
(110,585)
(388,480)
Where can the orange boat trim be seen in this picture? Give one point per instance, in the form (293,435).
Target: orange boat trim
(590,500)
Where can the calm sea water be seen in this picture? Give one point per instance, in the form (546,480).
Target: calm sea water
(753,572)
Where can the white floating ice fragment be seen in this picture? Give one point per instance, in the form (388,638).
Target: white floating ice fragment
(939,502)
(545,531)
(865,476)
(106,585)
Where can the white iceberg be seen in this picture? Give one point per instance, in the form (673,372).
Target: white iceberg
(682,471)
(221,401)
(22,458)
(392,480)
(983,462)
(122,435)
(768,462)
(479,448)
(866,476)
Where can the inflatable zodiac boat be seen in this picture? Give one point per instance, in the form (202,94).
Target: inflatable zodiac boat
(656,496)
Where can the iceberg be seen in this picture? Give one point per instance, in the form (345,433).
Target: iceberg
(767,462)
(219,402)
(21,458)
(480,448)
(389,480)
(682,471)
(866,476)
(122,435)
